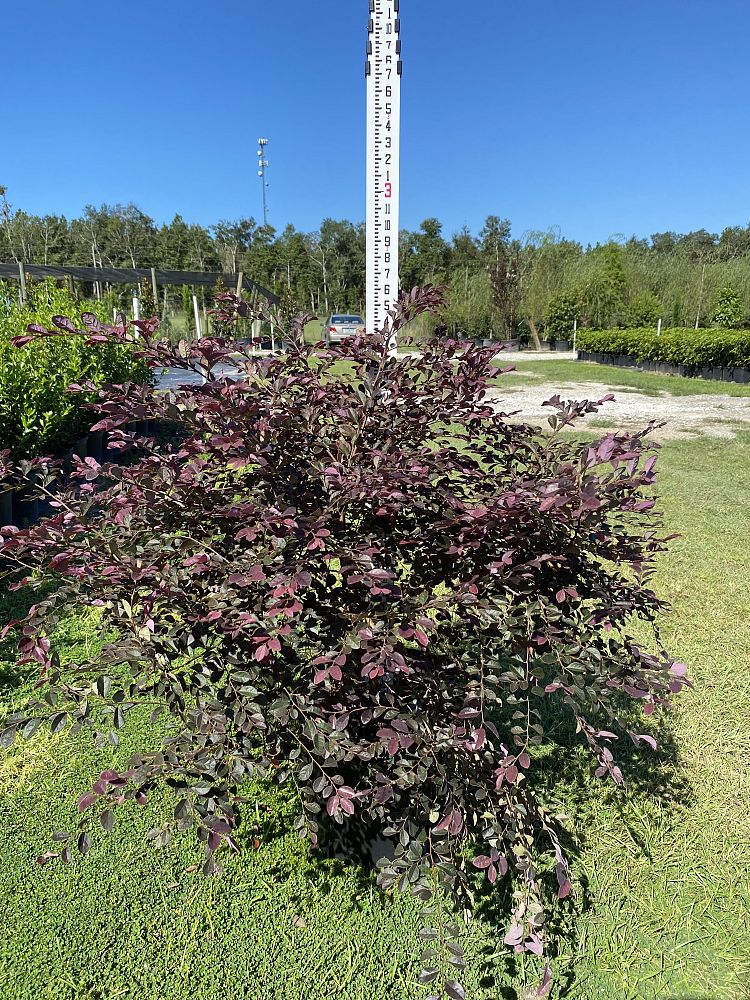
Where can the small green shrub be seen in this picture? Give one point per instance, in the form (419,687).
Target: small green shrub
(728,311)
(644,309)
(560,316)
(37,414)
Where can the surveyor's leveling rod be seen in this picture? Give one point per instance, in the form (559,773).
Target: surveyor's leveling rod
(383,155)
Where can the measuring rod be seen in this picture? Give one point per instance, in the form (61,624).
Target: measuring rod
(383,72)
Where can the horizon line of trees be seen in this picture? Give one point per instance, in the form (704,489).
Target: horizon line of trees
(499,285)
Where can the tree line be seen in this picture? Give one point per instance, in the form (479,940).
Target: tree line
(500,284)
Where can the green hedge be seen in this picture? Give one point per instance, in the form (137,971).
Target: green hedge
(37,415)
(678,346)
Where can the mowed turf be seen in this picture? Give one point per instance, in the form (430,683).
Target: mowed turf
(663,903)
(533,372)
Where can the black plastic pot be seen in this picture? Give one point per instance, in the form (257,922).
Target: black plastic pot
(562,345)
(6,508)
(742,376)
(25,509)
(95,446)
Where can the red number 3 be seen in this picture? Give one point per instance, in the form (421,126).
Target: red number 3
(388,190)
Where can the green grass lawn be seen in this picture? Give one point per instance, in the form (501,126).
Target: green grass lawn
(648,383)
(664,869)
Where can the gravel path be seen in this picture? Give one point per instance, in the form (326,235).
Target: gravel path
(685,416)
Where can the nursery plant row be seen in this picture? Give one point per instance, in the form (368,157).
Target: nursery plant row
(712,354)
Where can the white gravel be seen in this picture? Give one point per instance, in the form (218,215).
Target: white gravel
(684,416)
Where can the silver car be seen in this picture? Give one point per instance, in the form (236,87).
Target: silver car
(339,326)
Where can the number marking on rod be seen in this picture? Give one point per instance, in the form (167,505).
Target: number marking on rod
(383,71)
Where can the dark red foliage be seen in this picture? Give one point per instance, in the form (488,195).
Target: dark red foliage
(352,573)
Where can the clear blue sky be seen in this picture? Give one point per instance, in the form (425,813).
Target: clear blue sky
(600,117)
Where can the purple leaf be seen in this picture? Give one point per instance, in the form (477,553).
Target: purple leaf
(514,935)
(546,984)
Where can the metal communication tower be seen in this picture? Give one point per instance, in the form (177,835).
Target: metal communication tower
(262,165)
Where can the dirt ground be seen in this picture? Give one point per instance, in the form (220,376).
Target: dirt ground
(684,416)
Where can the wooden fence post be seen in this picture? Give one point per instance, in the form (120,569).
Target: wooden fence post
(22,278)
(154,288)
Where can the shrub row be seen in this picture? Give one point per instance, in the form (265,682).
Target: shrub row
(679,346)
(37,415)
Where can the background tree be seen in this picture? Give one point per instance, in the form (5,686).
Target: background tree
(233,240)
(603,291)
(494,238)
(505,281)
(676,276)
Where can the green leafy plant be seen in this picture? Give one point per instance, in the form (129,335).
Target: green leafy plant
(37,414)
(186,297)
(643,310)
(348,573)
(728,311)
(561,314)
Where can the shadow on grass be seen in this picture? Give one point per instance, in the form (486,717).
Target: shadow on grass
(563,773)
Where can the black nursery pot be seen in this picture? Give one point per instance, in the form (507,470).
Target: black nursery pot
(562,345)
(6,508)
(25,509)
(95,445)
(742,376)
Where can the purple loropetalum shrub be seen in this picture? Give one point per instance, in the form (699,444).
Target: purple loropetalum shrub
(350,573)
